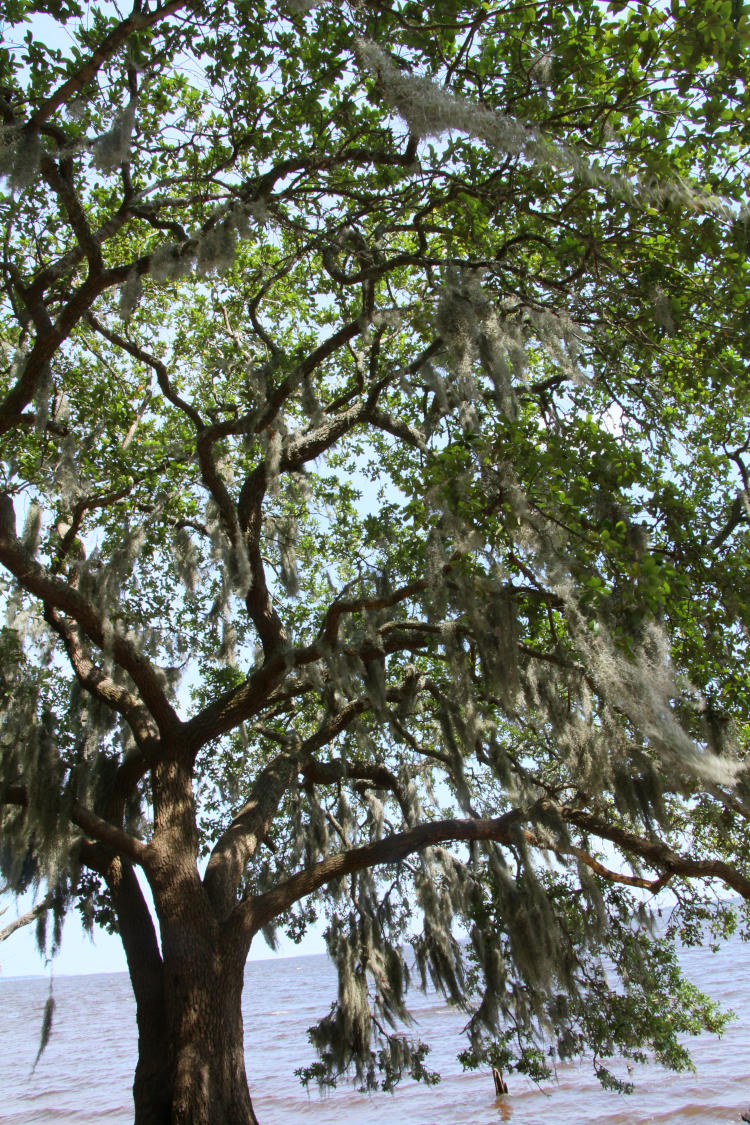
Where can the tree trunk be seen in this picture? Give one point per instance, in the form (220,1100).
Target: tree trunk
(206,1043)
(191,1065)
(199,1074)
(151,1084)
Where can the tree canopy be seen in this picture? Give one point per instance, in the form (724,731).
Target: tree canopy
(374,512)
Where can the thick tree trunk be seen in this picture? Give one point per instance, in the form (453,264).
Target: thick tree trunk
(207,1061)
(198,1076)
(191,1066)
(151,1084)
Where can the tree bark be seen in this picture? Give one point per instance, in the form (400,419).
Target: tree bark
(191,1066)
(151,1084)
(203,964)
(206,1044)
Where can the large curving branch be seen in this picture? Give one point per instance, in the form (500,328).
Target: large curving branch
(95,827)
(240,841)
(297,453)
(262,685)
(80,509)
(337,609)
(241,703)
(257,912)
(61,596)
(653,885)
(102,687)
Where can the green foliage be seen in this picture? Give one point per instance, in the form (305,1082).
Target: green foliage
(374,454)
(618,995)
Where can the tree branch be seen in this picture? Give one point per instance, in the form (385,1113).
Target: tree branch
(249,506)
(54,592)
(329,628)
(108,46)
(653,885)
(27,918)
(239,842)
(49,339)
(655,852)
(257,912)
(148,360)
(374,774)
(737,515)
(122,843)
(63,188)
(102,686)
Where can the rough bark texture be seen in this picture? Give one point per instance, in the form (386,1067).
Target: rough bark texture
(192,1006)
(209,1084)
(190,1068)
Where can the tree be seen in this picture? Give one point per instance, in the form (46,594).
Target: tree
(374,422)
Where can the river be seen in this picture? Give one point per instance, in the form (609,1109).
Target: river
(85,1074)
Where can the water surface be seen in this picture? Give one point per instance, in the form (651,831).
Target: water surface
(84,1077)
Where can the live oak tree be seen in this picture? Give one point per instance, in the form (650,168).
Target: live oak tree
(373,518)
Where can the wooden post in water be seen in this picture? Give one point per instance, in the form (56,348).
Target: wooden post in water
(501,1086)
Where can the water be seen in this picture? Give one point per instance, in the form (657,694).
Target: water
(85,1074)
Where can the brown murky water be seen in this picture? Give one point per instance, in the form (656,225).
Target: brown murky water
(84,1076)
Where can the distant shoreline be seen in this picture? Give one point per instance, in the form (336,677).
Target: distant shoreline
(41,975)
